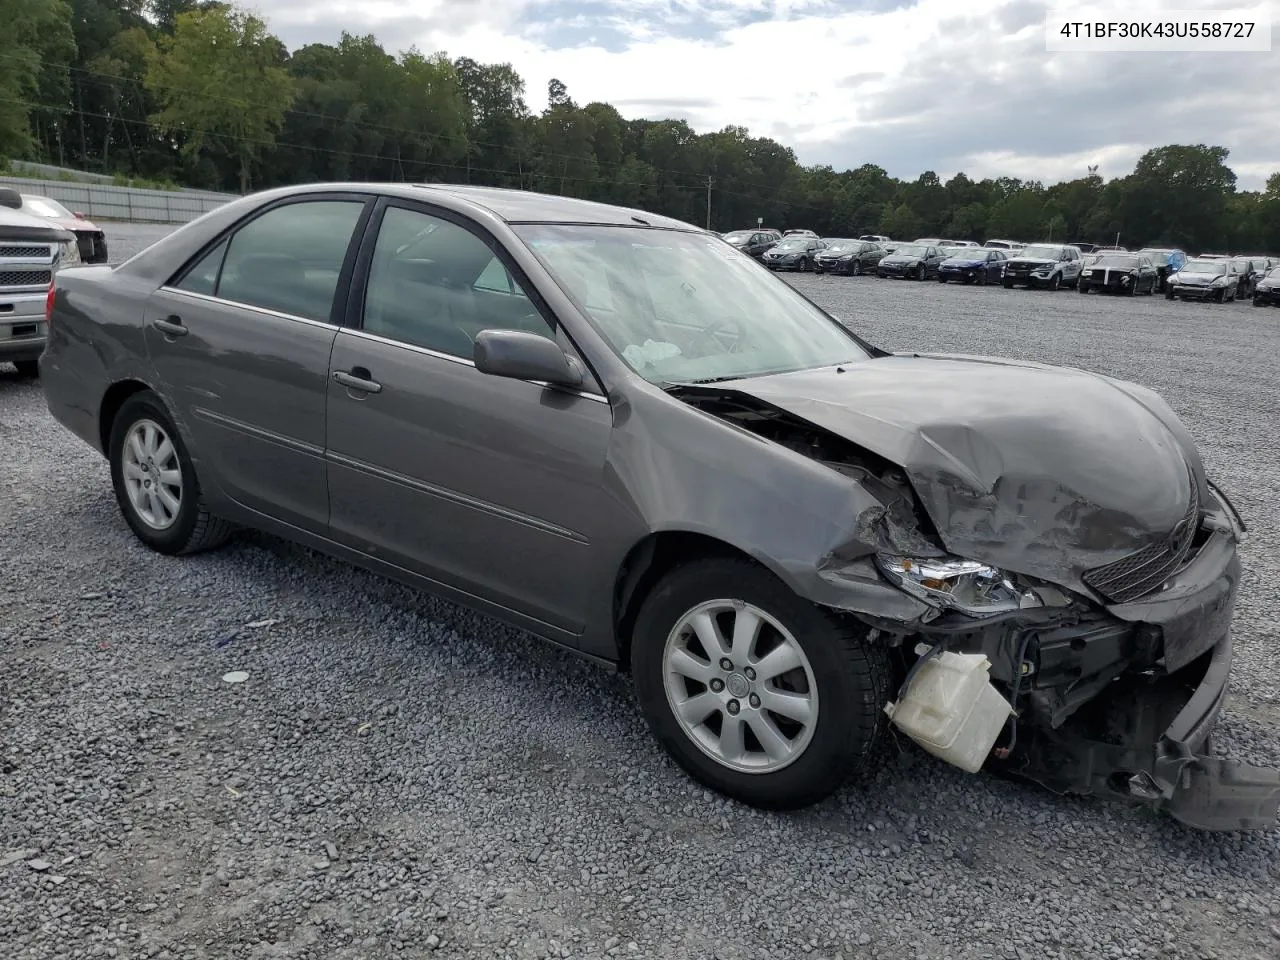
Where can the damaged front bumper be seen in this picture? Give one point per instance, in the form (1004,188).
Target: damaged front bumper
(1123,746)
(1145,736)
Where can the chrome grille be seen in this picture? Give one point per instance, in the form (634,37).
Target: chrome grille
(40,252)
(1141,573)
(25,278)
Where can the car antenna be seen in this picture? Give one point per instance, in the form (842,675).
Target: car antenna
(638,220)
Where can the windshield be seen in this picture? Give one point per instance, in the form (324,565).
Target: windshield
(793,243)
(910,250)
(842,246)
(1205,266)
(1040,253)
(680,307)
(44,207)
(1110,261)
(738,236)
(1274,274)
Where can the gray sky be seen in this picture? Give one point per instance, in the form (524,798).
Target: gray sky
(936,85)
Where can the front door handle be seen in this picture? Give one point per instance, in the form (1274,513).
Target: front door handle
(354,382)
(171,326)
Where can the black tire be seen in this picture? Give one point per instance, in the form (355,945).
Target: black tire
(1133,290)
(1008,284)
(942,278)
(193,528)
(851,675)
(1168,293)
(1258,303)
(1055,282)
(921,272)
(28,368)
(804,265)
(1082,288)
(982,279)
(856,269)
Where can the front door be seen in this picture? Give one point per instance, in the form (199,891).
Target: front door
(489,485)
(241,343)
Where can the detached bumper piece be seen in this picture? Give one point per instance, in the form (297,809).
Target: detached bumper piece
(1146,741)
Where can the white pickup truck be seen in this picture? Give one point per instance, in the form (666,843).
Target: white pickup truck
(31,251)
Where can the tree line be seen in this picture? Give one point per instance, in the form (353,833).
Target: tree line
(204,95)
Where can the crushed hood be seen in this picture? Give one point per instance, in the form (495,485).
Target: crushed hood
(1047,471)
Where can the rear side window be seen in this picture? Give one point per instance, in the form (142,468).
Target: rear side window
(287,260)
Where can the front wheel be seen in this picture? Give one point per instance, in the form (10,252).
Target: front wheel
(1082,288)
(1055,282)
(754,691)
(1008,284)
(28,368)
(856,270)
(155,482)
(920,272)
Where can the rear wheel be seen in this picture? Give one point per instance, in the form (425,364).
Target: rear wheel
(155,482)
(752,690)
(27,368)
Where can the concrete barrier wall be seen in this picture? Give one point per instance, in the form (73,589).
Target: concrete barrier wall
(109,202)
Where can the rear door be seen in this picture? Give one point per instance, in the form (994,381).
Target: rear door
(240,341)
(491,486)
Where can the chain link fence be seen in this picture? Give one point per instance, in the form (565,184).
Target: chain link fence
(100,201)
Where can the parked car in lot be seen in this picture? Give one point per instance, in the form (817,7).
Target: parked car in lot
(934,242)
(852,257)
(1250,270)
(1166,260)
(1049,265)
(911,261)
(32,250)
(1124,273)
(879,238)
(799,233)
(446,385)
(1267,291)
(796,252)
(1204,278)
(91,240)
(1003,245)
(754,243)
(978,266)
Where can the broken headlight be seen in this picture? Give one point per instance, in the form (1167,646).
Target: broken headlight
(978,589)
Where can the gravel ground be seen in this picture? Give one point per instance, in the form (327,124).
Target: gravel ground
(398,777)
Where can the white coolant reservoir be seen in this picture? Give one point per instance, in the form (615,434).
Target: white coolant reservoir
(951,709)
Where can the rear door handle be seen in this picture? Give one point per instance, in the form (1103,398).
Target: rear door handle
(361,383)
(171,326)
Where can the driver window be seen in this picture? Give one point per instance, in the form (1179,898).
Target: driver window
(435,284)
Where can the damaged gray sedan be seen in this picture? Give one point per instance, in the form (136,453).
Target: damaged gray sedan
(617,432)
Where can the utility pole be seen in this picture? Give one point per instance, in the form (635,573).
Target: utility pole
(708,201)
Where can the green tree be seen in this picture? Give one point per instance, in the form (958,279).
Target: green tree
(34,77)
(218,78)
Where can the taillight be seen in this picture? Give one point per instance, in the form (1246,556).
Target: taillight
(48,304)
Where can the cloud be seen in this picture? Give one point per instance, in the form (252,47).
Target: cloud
(911,86)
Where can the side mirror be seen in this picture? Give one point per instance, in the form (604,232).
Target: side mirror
(521,355)
(79,214)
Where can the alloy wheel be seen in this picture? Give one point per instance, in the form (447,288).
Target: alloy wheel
(152,475)
(740,686)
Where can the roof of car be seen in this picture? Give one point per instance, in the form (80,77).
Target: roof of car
(524,206)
